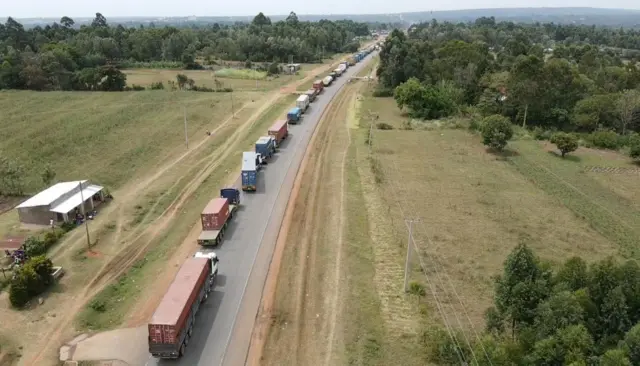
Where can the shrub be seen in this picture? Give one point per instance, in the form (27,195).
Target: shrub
(157,86)
(634,148)
(565,142)
(540,133)
(135,87)
(605,139)
(31,280)
(496,131)
(384,126)
(67,226)
(383,92)
(34,247)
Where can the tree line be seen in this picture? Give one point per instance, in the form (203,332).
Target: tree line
(62,57)
(546,77)
(577,315)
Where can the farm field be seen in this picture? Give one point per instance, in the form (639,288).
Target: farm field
(137,151)
(473,208)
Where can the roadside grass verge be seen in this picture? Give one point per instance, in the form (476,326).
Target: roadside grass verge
(109,308)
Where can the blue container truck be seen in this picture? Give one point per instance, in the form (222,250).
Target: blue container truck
(294,115)
(266,147)
(231,194)
(249,171)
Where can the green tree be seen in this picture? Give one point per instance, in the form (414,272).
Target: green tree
(628,105)
(634,148)
(48,175)
(565,142)
(632,344)
(524,83)
(573,275)
(496,132)
(559,311)
(614,357)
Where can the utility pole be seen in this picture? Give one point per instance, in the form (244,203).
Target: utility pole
(233,111)
(186,135)
(86,221)
(406,264)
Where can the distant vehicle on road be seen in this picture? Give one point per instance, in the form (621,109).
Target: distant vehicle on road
(294,115)
(216,216)
(250,163)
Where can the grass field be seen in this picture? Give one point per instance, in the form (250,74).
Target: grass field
(474,207)
(238,79)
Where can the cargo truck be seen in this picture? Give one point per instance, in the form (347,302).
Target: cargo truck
(352,60)
(344,64)
(250,164)
(327,80)
(312,93)
(266,147)
(318,85)
(303,102)
(294,115)
(333,75)
(171,325)
(280,131)
(338,71)
(343,67)
(215,218)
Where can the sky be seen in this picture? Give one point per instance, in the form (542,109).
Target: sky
(113,8)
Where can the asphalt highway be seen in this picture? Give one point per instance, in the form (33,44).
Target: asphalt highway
(246,251)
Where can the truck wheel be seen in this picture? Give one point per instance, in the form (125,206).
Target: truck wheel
(181,352)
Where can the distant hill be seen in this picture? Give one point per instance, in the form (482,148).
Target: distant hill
(587,16)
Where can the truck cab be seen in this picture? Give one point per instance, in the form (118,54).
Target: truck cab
(213,257)
(232,194)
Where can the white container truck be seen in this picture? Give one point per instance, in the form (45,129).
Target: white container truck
(303,102)
(327,80)
(338,71)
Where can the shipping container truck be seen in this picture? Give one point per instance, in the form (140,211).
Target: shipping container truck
(327,80)
(266,147)
(294,115)
(171,325)
(338,71)
(280,131)
(250,163)
(333,75)
(312,93)
(303,102)
(345,64)
(352,60)
(343,67)
(318,85)
(215,218)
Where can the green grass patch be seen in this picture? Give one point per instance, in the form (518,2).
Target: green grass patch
(109,308)
(608,213)
(364,333)
(240,74)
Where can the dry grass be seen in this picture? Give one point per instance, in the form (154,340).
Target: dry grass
(474,208)
(145,77)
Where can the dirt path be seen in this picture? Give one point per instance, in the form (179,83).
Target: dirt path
(131,249)
(302,325)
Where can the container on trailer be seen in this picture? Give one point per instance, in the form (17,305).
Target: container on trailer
(333,75)
(344,64)
(312,93)
(249,171)
(327,80)
(342,67)
(352,60)
(266,146)
(303,102)
(338,71)
(318,85)
(294,115)
(215,214)
(174,316)
(279,130)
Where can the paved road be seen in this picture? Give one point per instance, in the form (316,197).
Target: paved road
(245,253)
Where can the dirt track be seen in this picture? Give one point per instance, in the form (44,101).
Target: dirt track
(124,238)
(307,264)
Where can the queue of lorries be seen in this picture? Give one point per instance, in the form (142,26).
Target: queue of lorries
(171,326)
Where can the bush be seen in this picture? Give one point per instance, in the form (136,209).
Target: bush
(540,133)
(31,280)
(496,131)
(34,247)
(67,226)
(157,86)
(565,142)
(383,92)
(605,140)
(135,87)
(384,126)
(634,148)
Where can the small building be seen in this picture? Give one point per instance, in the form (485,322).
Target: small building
(60,203)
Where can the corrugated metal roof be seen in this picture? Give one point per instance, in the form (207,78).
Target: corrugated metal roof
(75,200)
(49,195)
(248,161)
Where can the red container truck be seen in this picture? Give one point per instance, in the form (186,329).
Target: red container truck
(279,130)
(215,217)
(318,85)
(172,323)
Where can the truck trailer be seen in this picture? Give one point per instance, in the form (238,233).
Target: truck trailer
(294,115)
(318,85)
(250,163)
(303,102)
(352,60)
(327,80)
(215,218)
(171,325)
(312,93)
(280,131)
(266,147)
(338,71)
